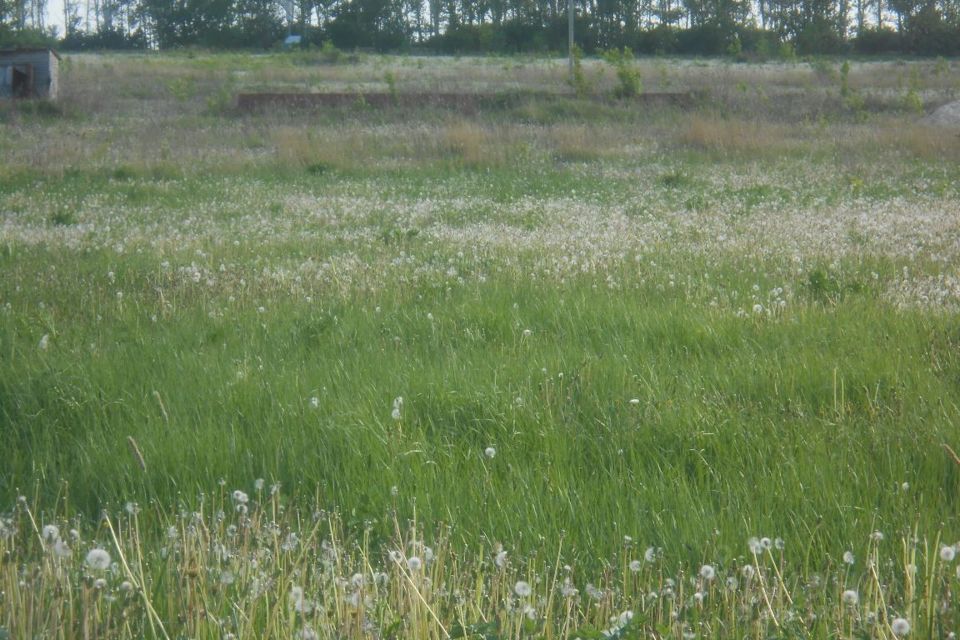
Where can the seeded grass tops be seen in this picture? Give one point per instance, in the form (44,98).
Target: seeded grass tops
(250,566)
(549,327)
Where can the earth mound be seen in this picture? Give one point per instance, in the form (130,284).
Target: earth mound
(947,116)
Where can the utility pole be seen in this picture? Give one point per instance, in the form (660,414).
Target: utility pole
(570,44)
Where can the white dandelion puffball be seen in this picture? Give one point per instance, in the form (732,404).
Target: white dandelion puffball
(397,407)
(635,565)
(98,559)
(754,544)
(947,554)
(414,563)
(501,559)
(51,533)
(44,342)
(900,627)
(240,497)
(490,452)
(650,555)
(850,597)
(707,572)
(522,589)
(848,557)
(747,571)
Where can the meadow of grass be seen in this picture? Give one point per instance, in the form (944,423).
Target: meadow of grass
(563,366)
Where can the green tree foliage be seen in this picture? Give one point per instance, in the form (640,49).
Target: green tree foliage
(742,28)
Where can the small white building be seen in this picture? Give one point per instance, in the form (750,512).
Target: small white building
(29,73)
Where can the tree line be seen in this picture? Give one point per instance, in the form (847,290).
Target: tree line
(742,28)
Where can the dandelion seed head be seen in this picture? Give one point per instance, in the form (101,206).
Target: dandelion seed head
(500,559)
(414,563)
(522,589)
(635,565)
(850,597)
(948,553)
(900,627)
(98,559)
(50,533)
(240,497)
(44,342)
(848,557)
(747,571)
(707,572)
(490,452)
(99,584)
(650,555)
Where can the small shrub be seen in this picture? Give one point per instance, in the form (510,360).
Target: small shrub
(319,168)
(628,76)
(823,69)
(674,180)
(182,89)
(63,218)
(329,52)
(391,79)
(787,52)
(912,102)
(578,81)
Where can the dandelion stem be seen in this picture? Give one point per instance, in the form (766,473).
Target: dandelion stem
(139,584)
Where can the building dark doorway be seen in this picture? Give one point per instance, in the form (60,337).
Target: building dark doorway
(22,86)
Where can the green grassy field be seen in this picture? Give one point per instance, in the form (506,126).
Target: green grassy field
(545,340)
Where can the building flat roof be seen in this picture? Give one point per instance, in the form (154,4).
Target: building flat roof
(28,50)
